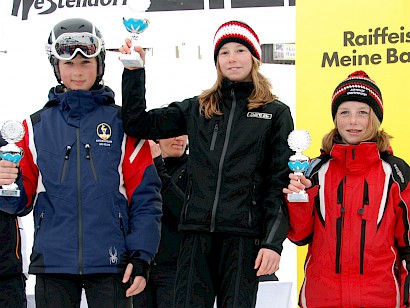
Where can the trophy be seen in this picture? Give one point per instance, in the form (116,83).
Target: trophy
(12,132)
(135,24)
(298,140)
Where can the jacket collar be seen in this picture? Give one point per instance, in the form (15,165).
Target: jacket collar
(245,87)
(356,158)
(75,104)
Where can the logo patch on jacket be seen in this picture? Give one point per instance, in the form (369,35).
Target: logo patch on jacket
(259,115)
(104,133)
(113,255)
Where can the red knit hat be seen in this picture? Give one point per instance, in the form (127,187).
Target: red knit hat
(358,87)
(239,32)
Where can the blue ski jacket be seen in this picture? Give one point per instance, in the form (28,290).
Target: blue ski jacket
(95,191)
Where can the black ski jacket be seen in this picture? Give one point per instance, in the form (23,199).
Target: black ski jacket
(237,163)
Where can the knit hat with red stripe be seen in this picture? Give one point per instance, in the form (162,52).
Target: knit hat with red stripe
(239,32)
(358,87)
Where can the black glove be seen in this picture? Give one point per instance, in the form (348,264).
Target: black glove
(140,267)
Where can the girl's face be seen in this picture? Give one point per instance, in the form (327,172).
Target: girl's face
(79,73)
(235,62)
(352,119)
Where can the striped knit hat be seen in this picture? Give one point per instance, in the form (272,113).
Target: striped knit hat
(358,87)
(239,32)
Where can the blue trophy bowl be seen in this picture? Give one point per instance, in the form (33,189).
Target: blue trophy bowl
(13,157)
(298,166)
(135,25)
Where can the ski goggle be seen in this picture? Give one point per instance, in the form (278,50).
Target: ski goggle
(67,45)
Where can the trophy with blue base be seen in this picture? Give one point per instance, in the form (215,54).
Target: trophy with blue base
(298,140)
(135,24)
(12,132)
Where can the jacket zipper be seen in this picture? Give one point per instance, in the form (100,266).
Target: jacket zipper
(214,135)
(121,223)
(221,161)
(363,227)
(39,224)
(341,192)
(79,206)
(90,158)
(340,223)
(66,157)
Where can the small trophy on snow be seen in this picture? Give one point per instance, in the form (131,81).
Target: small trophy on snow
(135,24)
(298,140)
(12,132)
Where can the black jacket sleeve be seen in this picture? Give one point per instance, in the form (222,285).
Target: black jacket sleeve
(157,123)
(277,217)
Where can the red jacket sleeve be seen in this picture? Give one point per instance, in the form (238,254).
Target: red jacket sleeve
(143,188)
(301,217)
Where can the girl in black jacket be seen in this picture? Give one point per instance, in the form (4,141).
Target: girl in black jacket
(234,219)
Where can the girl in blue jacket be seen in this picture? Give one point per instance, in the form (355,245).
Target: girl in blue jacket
(95,191)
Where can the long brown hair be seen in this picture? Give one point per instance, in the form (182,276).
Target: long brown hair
(261,95)
(373,133)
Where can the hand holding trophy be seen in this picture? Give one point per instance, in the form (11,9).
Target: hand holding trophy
(135,24)
(298,140)
(12,132)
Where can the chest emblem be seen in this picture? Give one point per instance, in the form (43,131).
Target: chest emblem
(259,115)
(104,131)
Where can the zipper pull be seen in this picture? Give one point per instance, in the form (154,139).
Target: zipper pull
(87,151)
(214,135)
(67,152)
(39,221)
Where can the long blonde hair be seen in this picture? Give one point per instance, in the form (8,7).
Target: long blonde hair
(261,95)
(373,133)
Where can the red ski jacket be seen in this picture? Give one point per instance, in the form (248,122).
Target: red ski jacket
(356,224)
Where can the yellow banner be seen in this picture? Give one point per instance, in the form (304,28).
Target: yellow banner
(335,38)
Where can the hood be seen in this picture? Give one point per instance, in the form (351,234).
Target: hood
(74,104)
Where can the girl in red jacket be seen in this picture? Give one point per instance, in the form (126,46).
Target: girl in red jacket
(356,222)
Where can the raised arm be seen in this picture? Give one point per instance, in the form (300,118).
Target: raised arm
(138,122)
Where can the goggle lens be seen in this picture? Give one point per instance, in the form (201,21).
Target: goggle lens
(68,45)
